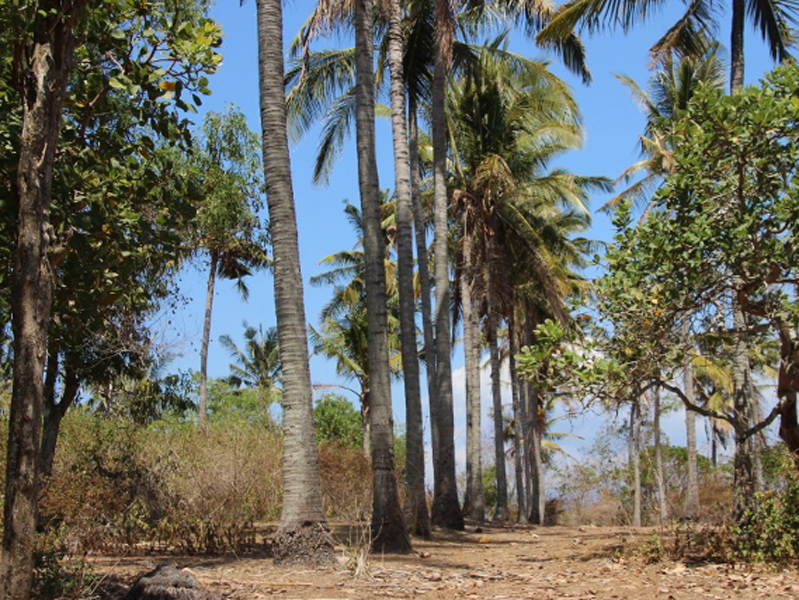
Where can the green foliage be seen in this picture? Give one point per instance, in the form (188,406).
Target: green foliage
(228,168)
(58,574)
(768,533)
(229,402)
(336,419)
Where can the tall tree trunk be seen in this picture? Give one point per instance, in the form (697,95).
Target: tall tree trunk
(416,501)
(366,419)
(635,458)
(388,525)
(663,512)
(42,83)
(202,410)
(446,510)
(474,501)
(303,536)
(54,413)
(743,463)
(691,506)
(737,45)
(518,419)
(533,436)
(492,325)
(422,258)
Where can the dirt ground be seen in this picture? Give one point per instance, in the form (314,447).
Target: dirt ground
(541,563)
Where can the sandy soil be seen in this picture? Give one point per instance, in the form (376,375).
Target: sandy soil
(544,563)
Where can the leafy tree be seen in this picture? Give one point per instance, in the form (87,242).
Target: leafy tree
(227,225)
(336,420)
(65,59)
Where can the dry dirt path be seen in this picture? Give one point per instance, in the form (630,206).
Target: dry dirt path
(545,563)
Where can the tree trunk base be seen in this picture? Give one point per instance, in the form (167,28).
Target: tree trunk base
(303,544)
(168,583)
(447,512)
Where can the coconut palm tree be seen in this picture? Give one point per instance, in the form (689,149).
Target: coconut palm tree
(690,33)
(511,116)
(303,536)
(257,363)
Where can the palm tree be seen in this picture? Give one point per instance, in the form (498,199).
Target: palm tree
(303,535)
(388,526)
(690,34)
(227,226)
(257,364)
(416,502)
(511,116)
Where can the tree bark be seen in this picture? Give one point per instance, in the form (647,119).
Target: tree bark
(42,86)
(635,459)
(737,45)
(474,501)
(54,413)
(492,324)
(518,419)
(743,463)
(691,506)
(388,525)
(663,512)
(533,436)
(422,258)
(416,501)
(202,410)
(303,536)
(446,510)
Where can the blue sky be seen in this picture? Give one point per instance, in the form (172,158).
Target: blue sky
(612,123)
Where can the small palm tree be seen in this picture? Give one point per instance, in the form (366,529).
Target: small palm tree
(257,364)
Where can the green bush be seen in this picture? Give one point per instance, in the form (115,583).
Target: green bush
(769,533)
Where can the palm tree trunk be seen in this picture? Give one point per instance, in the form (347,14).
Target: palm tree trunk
(518,419)
(303,535)
(492,324)
(388,526)
(421,251)
(474,501)
(533,436)
(43,83)
(743,463)
(663,514)
(737,45)
(416,501)
(209,305)
(446,510)
(691,507)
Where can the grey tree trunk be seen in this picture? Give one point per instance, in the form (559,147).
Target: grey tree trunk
(388,525)
(303,536)
(422,258)
(202,409)
(518,419)
(47,59)
(691,506)
(53,414)
(737,45)
(635,459)
(492,325)
(446,510)
(663,512)
(533,435)
(474,501)
(744,481)
(416,501)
